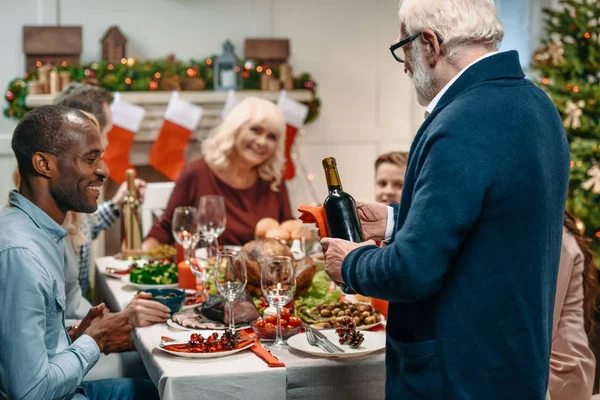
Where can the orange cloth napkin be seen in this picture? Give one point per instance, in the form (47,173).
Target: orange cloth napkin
(261,352)
(311,215)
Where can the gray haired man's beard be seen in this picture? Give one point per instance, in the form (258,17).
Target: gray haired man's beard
(424,81)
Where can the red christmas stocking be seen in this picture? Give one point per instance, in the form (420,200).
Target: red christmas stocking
(295,114)
(181,119)
(127,118)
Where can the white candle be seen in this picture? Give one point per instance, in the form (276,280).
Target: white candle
(228,79)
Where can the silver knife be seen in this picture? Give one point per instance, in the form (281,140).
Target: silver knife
(322,337)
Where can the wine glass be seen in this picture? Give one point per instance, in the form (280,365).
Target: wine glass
(184,226)
(212,216)
(206,252)
(230,278)
(278,283)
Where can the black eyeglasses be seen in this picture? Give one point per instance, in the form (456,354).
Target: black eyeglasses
(396,49)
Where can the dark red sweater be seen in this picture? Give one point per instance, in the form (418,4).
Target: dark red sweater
(245,207)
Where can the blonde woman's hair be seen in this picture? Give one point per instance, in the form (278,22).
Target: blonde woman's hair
(218,147)
(456,22)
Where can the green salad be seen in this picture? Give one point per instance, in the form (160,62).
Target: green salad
(318,293)
(155,273)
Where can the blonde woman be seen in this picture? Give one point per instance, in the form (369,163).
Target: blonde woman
(243,162)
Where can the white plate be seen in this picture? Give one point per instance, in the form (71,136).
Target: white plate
(374,341)
(360,328)
(142,286)
(120,264)
(190,306)
(175,325)
(204,355)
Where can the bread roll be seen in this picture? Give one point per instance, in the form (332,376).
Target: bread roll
(264,225)
(301,232)
(291,225)
(277,233)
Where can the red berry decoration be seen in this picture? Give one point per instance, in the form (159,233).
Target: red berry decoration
(9,96)
(309,85)
(199,344)
(90,73)
(348,334)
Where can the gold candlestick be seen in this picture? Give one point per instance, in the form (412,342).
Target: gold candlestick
(65,79)
(44,77)
(274,85)
(36,87)
(54,82)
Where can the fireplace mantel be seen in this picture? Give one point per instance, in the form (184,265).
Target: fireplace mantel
(196,97)
(155,104)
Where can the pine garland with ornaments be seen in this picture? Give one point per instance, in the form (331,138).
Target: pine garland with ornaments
(569,67)
(158,75)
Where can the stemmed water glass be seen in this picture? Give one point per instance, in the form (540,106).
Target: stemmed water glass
(230,278)
(212,216)
(206,252)
(278,283)
(184,227)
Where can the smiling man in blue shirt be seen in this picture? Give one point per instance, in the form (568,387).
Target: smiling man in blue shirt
(59,153)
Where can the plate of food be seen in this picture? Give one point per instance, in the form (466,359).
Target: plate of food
(372,342)
(210,346)
(120,268)
(154,275)
(193,298)
(328,316)
(212,314)
(161,252)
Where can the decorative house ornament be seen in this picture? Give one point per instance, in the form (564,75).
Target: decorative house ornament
(113,45)
(56,45)
(271,52)
(226,70)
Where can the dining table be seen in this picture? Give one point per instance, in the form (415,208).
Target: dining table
(242,375)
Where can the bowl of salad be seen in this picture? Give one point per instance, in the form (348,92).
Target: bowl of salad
(154,274)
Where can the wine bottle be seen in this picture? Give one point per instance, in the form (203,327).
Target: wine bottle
(131,218)
(340,210)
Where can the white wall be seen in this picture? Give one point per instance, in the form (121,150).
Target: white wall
(368,105)
(368,102)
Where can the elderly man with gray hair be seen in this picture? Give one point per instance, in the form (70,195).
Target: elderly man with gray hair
(473,247)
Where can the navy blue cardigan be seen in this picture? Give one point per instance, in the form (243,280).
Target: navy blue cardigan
(471,271)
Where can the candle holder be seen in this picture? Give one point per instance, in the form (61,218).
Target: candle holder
(278,283)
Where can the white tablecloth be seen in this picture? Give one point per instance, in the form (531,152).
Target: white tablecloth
(243,375)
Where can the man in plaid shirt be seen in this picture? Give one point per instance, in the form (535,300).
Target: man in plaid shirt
(95,100)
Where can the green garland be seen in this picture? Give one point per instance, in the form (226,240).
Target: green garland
(148,75)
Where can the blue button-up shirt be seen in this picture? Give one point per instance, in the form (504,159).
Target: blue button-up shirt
(37,358)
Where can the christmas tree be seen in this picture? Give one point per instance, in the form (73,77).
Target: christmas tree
(569,67)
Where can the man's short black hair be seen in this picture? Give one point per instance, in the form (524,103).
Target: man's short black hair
(88,98)
(43,129)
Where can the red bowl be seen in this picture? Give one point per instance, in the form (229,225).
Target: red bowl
(269,334)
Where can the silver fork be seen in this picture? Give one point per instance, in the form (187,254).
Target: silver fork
(312,340)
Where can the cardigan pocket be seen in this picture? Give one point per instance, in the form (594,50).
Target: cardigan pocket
(419,370)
